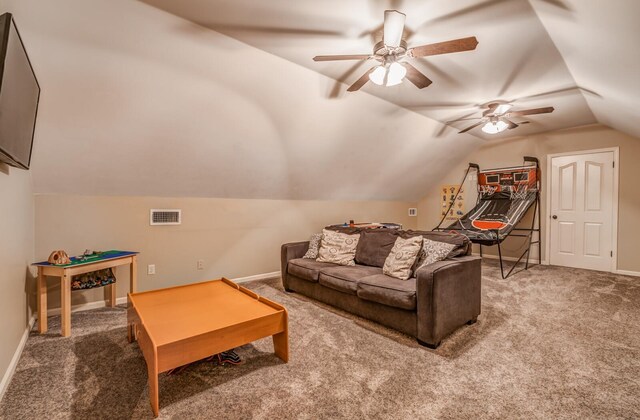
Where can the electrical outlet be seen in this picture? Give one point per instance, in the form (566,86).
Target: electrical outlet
(200,264)
(151,269)
(413,211)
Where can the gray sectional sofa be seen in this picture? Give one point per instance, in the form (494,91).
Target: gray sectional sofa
(439,299)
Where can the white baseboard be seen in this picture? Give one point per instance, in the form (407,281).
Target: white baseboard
(513,259)
(263,276)
(628,273)
(87,306)
(11,369)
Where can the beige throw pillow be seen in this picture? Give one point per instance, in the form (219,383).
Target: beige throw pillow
(402,256)
(337,248)
(314,244)
(433,251)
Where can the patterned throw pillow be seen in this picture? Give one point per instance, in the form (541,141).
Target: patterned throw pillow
(402,256)
(338,248)
(433,251)
(314,244)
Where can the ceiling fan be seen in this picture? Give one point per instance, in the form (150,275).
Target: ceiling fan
(392,52)
(497,117)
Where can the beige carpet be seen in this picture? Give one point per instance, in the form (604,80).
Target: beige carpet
(550,343)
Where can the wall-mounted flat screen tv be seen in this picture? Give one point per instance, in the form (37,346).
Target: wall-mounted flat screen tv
(19,96)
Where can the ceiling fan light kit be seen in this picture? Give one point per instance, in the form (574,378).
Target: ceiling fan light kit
(388,75)
(495,127)
(392,53)
(497,118)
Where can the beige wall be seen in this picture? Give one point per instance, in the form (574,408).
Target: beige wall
(16,253)
(510,152)
(234,237)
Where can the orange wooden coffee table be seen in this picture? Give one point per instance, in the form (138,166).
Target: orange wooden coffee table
(183,324)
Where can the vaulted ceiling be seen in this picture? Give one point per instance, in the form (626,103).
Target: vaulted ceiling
(137,99)
(578,56)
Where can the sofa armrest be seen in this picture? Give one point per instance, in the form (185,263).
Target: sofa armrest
(448,296)
(289,252)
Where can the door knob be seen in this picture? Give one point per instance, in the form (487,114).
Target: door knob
(554,217)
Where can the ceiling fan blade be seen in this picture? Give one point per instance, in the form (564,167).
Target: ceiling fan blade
(447,47)
(490,108)
(393,28)
(416,77)
(533,111)
(360,82)
(342,57)
(470,127)
(511,124)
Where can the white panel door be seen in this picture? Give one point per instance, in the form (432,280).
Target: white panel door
(581,219)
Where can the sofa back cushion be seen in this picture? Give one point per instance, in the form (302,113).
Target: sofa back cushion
(374,246)
(462,243)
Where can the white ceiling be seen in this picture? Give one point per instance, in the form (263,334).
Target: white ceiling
(138,101)
(599,44)
(578,56)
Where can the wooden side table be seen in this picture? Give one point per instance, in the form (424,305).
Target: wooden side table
(111,259)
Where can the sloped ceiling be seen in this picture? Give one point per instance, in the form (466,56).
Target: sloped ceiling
(576,55)
(600,45)
(137,101)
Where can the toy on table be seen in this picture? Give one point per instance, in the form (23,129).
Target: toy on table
(59,257)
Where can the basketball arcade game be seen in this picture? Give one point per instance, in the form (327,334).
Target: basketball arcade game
(505,196)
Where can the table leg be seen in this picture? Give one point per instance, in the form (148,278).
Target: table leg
(153,389)
(42,302)
(281,341)
(133,275)
(281,346)
(110,295)
(65,293)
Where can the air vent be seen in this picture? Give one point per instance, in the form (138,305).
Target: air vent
(165,217)
(413,211)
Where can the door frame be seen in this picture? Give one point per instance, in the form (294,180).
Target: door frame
(614,210)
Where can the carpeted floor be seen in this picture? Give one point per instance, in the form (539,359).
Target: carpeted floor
(550,343)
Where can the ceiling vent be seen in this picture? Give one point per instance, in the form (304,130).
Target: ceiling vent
(165,217)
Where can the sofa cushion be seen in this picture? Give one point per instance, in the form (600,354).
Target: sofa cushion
(374,246)
(336,247)
(402,257)
(389,291)
(462,243)
(314,244)
(432,251)
(345,279)
(307,269)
